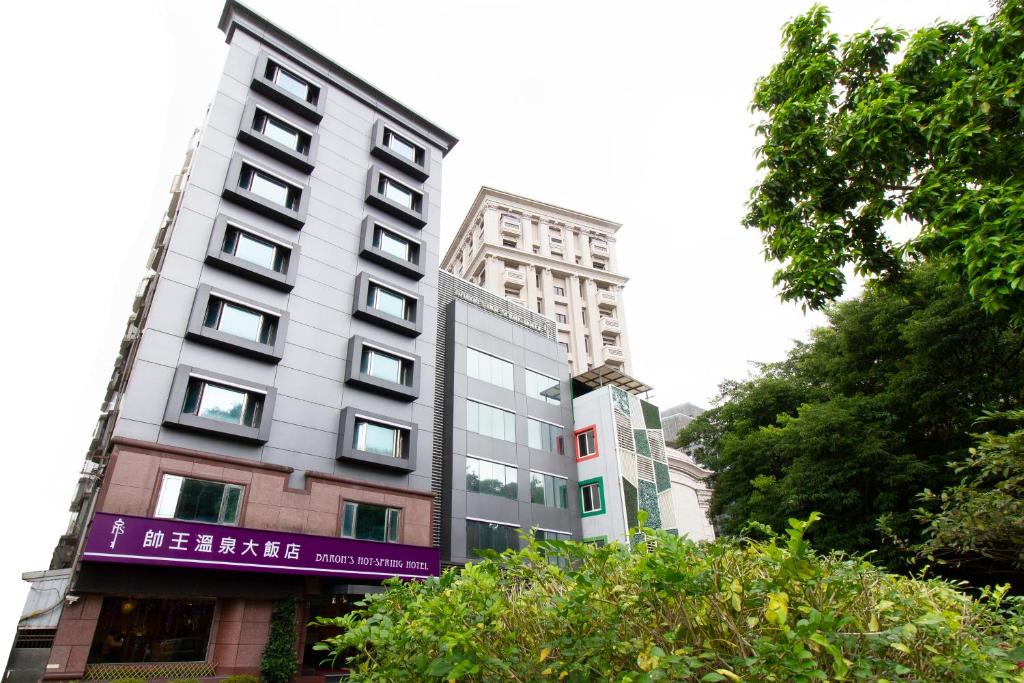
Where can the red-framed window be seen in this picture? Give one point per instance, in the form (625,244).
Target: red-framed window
(586,443)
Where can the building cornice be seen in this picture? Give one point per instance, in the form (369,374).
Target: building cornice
(237,16)
(548,262)
(552,213)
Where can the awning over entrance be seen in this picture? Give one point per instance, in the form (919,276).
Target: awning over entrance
(603,375)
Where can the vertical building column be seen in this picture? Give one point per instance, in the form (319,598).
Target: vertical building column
(569,244)
(494,276)
(613,260)
(620,313)
(593,320)
(545,244)
(585,249)
(491,232)
(532,291)
(579,349)
(547,281)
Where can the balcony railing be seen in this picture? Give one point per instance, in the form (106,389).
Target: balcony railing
(511,228)
(555,245)
(514,277)
(606,298)
(610,325)
(599,249)
(514,300)
(613,354)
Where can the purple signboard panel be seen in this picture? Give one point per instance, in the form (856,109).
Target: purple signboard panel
(168,542)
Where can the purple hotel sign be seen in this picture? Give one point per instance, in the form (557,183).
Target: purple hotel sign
(167,542)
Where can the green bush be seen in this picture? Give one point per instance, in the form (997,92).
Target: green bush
(278,663)
(731,610)
(241,678)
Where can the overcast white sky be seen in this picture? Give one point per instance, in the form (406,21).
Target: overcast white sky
(632,111)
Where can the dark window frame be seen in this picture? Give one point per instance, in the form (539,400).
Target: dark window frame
(314,111)
(247,133)
(362,310)
(174,415)
(413,269)
(355,376)
(294,218)
(375,198)
(199,332)
(348,452)
(216,256)
(418,170)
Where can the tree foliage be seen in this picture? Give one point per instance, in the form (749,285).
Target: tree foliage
(980,520)
(858,420)
(726,611)
(278,663)
(884,126)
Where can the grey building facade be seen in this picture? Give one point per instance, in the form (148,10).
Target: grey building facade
(277,372)
(505,413)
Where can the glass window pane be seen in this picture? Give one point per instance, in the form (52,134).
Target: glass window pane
(232,505)
(370,522)
(348,522)
(269,188)
(292,84)
(378,438)
(130,629)
(384,366)
(537,488)
(397,193)
(392,244)
(400,146)
(169,492)
(394,525)
(562,493)
(387,301)
(510,427)
(279,132)
(533,434)
(472,363)
(473,416)
(221,403)
(199,501)
(239,321)
(255,250)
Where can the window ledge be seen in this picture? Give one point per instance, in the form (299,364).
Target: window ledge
(216,256)
(266,87)
(379,150)
(346,451)
(173,416)
(363,311)
(199,332)
(355,377)
(294,218)
(374,198)
(413,270)
(302,162)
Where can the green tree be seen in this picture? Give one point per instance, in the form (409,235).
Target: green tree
(862,417)
(980,520)
(726,611)
(279,663)
(886,126)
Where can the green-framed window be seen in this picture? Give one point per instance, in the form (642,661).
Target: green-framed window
(592,497)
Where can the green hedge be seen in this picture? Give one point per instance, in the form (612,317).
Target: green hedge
(726,611)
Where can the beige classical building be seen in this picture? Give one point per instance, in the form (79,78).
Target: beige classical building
(557,262)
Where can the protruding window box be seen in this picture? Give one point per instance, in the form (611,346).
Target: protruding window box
(253,253)
(388,305)
(233,322)
(392,248)
(399,199)
(213,403)
(290,87)
(267,192)
(401,150)
(382,369)
(376,440)
(278,137)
